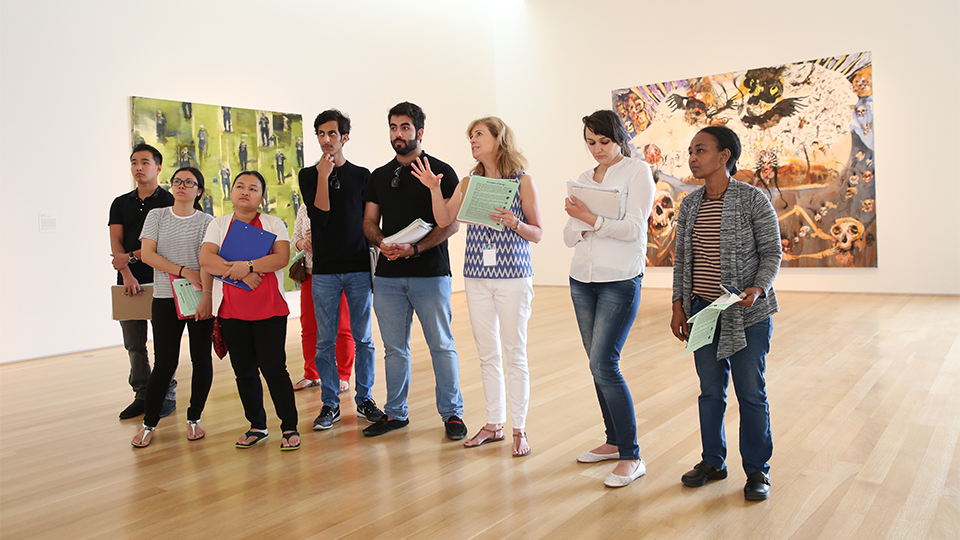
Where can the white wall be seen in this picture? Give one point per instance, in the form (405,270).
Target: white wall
(562,58)
(67,72)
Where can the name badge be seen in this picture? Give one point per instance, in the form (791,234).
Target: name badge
(489,255)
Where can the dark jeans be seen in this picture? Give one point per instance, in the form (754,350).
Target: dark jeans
(167,334)
(135,342)
(747,367)
(258,347)
(605,313)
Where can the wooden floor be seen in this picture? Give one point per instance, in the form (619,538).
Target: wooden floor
(865,401)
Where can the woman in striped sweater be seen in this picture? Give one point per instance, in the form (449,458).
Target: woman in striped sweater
(728,233)
(171,239)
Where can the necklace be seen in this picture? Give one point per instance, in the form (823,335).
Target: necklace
(715,196)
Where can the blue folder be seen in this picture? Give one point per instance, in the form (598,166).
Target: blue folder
(245,243)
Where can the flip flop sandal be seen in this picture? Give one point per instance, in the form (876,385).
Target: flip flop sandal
(192,430)
(146,431)
(286,437)
(260,437)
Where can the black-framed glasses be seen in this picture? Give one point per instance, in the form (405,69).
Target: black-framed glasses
(396,177)
(176,182)
(334,180)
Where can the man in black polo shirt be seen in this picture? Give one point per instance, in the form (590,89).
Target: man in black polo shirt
(333,193)
(127,214)
(412,277)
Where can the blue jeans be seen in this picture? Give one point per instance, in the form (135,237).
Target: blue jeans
(747,367)
(327,290)
(605,313)
(395,300)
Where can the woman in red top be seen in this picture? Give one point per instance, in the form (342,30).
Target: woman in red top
(254,322)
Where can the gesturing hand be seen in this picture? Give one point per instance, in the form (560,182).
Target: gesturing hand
(421,169)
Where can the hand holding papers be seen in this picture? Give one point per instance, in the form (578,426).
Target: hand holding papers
(300,254)
(186,296)
(705,322)
(601,201)
(410,234)
(483,196)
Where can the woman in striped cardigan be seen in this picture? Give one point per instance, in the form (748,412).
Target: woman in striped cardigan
(728,233)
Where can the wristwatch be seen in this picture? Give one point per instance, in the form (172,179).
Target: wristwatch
(250,265)
(133,258)
(416,252)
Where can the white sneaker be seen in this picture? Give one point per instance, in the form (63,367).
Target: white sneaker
(615,480)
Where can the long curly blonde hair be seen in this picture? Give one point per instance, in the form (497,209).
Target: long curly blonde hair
(509,158)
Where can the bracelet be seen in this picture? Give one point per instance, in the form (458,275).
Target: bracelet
(205,290)
(180,273)
(602,223)
(517,228)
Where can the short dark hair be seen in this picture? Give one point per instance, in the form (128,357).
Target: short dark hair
(608,124)
(409,109)
(726,140)
(144,147)
(343,121)
(199,176)
(263,182)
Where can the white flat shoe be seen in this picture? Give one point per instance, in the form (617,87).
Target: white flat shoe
(590,457)
(615,480)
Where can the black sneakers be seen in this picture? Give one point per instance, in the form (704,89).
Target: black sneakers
(701,473)
(455,428)
(328,415)
(384,424)
(368,411)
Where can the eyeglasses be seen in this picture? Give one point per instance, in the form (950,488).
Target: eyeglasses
(334,180)
(183,183)
(396,177)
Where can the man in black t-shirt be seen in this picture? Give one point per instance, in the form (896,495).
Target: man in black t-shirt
(412,277)
(333,193)
(127,214)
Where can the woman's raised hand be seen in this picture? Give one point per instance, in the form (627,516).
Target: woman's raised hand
(421,169)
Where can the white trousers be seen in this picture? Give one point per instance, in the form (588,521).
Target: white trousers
(499,310)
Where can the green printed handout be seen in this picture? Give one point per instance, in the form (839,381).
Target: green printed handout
(186,296)
(704,323)
(483,194)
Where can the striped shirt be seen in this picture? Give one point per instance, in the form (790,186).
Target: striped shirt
(706,250)
(749,257)
(178,241)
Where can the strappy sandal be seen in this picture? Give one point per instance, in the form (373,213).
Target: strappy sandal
(310,384)
(260,437)
(147,430)
(497,436)
(192,426)
(518,438)
(286,437)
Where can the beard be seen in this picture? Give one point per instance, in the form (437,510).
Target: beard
(409,145)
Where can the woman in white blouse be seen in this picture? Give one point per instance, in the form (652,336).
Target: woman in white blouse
(605,274)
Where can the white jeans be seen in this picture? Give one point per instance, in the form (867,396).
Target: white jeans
(499,311)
